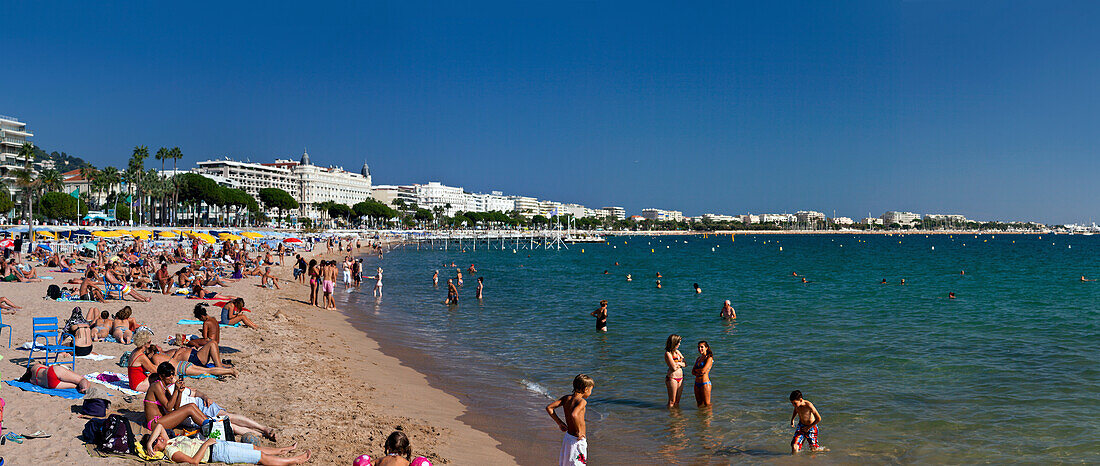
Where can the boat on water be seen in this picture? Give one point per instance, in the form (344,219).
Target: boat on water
(573,239)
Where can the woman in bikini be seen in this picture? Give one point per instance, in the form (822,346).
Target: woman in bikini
(55,376)
(104,325)
(124,323)
(314,281)
(674,379)
(164,409)
(701,371)
(140,363)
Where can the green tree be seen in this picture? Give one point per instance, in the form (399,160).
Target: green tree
(60,206)
(51,180)
(6,204)
(275,198)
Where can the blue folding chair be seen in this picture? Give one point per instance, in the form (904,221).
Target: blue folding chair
(48,329)
(2,325)
(109,288)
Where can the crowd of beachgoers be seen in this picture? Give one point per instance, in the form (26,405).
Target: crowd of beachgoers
(177,422)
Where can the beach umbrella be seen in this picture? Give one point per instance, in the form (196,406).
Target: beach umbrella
(46,234)
(166,234)
(89,245)
(204,237)
(46,247)
(292,240)
(103,234)
(19,229)
(228,236)
(252,235)
(82,232)
(7,243)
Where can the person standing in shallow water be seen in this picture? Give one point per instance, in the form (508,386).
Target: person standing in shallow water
(701,371)
(674,379)
(601,316)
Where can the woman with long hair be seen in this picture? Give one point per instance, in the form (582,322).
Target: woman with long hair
(701,371)
(674,379)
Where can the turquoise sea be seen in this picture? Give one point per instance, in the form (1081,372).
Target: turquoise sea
(1008,372)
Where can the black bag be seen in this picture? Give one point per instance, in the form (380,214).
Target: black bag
(91,430)
(226,427)
(115,436)
(53,292)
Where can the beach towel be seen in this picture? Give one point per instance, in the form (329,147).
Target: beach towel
(67,393)
(199,322)
(71,300)
(202,376)
(96,357)
(120,382)
(45,278)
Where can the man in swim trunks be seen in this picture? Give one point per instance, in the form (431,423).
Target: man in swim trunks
(806,428)
(328,284)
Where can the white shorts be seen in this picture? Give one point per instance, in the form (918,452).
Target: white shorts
(347,276)
(574,451)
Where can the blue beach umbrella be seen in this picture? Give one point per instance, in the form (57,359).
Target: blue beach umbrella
(90,245)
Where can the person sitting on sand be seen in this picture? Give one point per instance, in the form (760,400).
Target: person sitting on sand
(268,276)
(241,424)
(140,363)
(164,410)
(89,288)
(163,279)
(123,323)
(189,450)
(397,451)
(55,376)
(211,331)
(8,306)
(233,312)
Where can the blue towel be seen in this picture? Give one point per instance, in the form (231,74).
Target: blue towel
(67,393)
(203,376)
(199,322)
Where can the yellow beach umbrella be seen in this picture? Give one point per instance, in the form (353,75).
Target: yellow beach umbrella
(228,236)
(166,234)
(103,234)
(252,235)
(204,237)
(46,234)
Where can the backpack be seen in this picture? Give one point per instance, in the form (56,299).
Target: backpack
(53,292)
(115,436)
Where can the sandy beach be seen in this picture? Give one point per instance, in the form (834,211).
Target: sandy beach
(306,372)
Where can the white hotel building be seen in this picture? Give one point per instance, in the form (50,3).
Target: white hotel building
(13,133)
(309,184)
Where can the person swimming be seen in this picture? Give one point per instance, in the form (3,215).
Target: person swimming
(628,278)
(883,282)
(658,283)
(697,289)
(727,311)
(951,295)
(804,280)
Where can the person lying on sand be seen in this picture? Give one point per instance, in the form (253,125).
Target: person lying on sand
(55,376)
(189,450)
(199,292)
(124,323)
(104,324)
(8,306)
(81,330)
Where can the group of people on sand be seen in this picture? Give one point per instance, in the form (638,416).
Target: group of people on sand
(171,409)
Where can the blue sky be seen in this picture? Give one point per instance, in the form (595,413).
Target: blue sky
(988,109)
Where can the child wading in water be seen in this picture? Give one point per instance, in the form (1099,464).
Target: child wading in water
(574,445)
(806,429)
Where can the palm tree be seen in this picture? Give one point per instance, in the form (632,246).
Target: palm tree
(135,172)
(51,180)
(175,154)
(89,173)
(162,155)
(111,177)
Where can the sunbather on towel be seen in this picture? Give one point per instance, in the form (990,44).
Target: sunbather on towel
(81,330)
(55,376)
(193,362)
